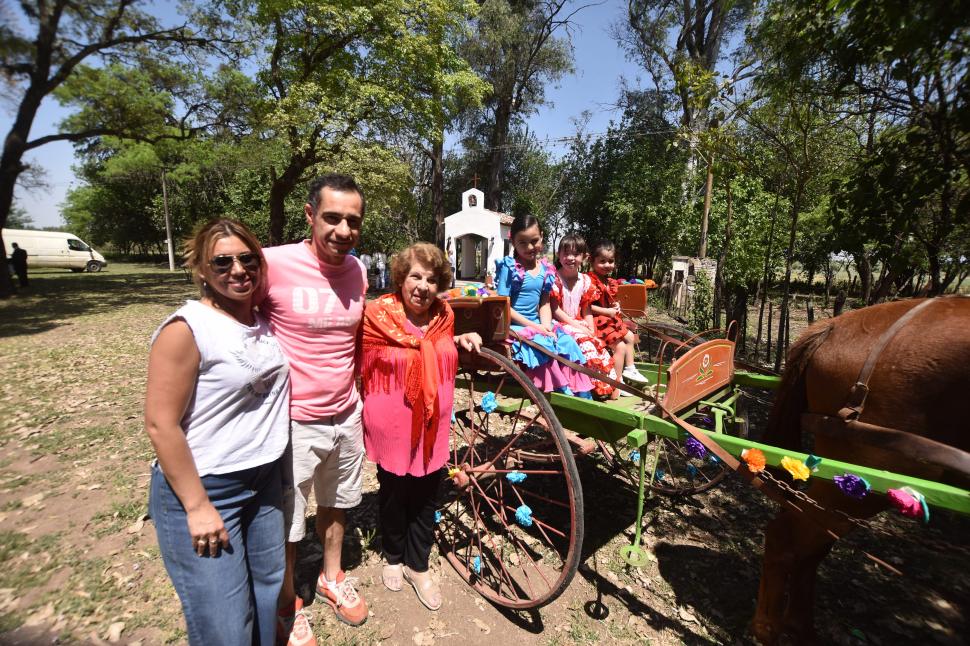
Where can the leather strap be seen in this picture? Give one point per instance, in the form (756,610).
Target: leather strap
(857,394)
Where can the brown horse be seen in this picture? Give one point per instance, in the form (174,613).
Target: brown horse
(919,386)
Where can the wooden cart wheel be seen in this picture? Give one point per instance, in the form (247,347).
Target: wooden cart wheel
(511,520)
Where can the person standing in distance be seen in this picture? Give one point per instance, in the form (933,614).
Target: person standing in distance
(314,300)
(19,261)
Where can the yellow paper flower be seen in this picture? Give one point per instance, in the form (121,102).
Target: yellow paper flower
(453,471)
(797,469)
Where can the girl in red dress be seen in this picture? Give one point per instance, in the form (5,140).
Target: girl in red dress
(610,329)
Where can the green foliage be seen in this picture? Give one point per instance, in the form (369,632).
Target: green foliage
(19,219)
(702,301)
(626,187)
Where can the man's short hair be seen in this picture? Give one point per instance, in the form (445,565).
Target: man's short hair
(335,182)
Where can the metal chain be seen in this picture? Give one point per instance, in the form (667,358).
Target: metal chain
(937,544)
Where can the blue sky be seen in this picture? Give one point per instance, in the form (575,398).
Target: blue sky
(594,87)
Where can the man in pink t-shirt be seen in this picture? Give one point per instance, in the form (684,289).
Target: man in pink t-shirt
(314,299)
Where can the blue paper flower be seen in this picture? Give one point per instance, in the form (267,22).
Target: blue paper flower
(488,402)
(523,516)
(691,471)
(658,475)
(812,462)
(714,459)
(437,517)
(516,477)
(477,565)
(635,456)
(694,448)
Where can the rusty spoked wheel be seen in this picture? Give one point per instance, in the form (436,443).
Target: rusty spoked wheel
(511,520)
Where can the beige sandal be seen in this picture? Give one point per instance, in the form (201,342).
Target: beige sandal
(426,589)
(391,576)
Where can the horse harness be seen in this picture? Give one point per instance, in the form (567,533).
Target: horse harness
(954,461)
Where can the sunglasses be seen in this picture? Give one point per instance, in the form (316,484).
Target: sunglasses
(249,260)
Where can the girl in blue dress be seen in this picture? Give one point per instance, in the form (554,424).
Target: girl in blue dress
(527,278)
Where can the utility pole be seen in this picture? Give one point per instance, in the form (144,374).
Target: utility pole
(168,226)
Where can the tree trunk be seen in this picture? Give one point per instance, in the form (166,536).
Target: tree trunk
(438,190)
(496,159)
(786,288)
(708,190)
(280,188)
(864,267)
(719,291)
(768,341)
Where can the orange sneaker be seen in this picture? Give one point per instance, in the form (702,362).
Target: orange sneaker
(343,597)
(294,629)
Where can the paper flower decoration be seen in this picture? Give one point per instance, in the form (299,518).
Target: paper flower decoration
(488,402)
(635,456)
(691,471)
(755,459)
(437,517)
(797,469)
(714,459)
(852,485)
(695,449)
(659,475)
(516,477)
(453,471)
(909,503)
(523,516)
(812,462)
(477,564)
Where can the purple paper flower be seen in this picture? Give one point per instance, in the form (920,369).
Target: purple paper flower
(695,449)
(852,485)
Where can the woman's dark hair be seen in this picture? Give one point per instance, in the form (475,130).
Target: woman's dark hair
(522,222)
(600,247)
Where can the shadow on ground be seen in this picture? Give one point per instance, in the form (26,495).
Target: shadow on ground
(52,299)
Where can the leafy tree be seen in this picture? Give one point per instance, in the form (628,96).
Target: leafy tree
(67,36)
(905,63)
(331,72)
(626,186)
(516,50)
(18,219)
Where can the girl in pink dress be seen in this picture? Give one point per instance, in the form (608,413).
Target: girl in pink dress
(572,295)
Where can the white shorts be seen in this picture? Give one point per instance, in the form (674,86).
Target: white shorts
(328,454)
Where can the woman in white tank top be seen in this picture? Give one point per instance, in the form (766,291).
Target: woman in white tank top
(217,413)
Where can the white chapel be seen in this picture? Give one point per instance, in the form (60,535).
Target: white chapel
(476,237)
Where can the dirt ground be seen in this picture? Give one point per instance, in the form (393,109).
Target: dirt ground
(80,563)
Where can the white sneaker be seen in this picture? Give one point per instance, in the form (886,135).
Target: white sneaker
(632,374)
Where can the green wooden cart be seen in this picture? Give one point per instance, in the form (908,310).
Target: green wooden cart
(511,522)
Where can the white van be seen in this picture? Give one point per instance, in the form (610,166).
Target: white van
(54,249)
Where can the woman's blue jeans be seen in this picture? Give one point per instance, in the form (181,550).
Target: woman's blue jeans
(230,598)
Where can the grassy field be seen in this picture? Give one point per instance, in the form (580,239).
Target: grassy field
(79,562)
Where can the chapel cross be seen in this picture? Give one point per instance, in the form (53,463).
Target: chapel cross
(475,181)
